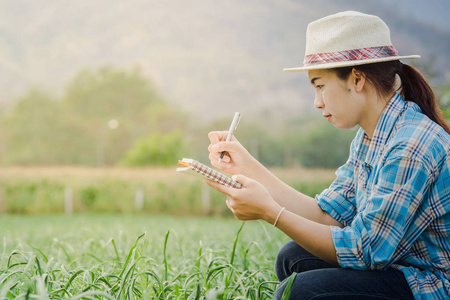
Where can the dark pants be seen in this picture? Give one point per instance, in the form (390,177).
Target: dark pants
(317,279)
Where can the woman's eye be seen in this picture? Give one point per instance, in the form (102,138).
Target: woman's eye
(319,87)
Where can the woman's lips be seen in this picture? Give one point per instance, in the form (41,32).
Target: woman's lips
(328,117)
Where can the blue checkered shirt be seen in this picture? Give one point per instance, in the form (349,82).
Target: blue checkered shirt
(393,198)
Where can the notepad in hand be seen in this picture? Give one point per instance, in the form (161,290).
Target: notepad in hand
(193,167)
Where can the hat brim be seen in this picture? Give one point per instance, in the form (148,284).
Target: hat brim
(349,63)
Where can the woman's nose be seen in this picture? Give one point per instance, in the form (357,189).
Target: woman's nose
(318,103)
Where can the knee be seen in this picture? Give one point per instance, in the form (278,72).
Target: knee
(286,258)
(287,289)
(279,291)
(298,287)
(288,251)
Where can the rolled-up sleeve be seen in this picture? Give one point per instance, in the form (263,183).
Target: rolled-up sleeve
(391,214)
(339,199)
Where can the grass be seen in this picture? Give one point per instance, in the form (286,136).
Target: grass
(130,253)
(136,257)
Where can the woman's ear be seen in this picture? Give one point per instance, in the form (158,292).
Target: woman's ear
(357,80)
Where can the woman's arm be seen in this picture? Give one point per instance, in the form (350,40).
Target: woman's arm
(239,161)
(313,237)
(254,201)
(293,200)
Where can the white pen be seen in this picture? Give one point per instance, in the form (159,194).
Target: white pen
(234,125)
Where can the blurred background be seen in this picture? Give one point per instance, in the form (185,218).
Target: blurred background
(99,99)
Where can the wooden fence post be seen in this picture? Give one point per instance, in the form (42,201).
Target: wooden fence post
(206,199)
(139,197)
(68,200)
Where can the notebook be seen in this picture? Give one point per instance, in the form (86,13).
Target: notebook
(193,167)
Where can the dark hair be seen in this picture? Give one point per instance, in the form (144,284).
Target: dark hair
(414,86)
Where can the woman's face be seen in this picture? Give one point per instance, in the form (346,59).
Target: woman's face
(337,99)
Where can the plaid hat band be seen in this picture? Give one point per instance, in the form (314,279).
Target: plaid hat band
(350,55)
(346,39)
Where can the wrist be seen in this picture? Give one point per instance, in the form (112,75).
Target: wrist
(274,213)
(254,170)
(278,216)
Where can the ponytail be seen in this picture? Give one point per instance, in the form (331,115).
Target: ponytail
(414,86)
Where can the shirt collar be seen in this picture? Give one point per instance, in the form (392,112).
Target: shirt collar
(384,128)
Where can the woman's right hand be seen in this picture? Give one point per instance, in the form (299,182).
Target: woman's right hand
(237,160)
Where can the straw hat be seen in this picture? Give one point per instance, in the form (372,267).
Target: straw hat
(347,39)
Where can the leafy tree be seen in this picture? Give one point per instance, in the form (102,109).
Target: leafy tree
(321,145)
(77,129)
(31,129)
(95,97)
(109,93)
(156,150)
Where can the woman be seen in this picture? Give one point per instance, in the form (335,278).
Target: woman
(381,230)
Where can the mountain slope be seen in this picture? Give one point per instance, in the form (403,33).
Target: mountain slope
(209,57)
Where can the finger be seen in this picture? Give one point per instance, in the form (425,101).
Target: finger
(214,154)
(231,147)
(219,187)
(213,147)
(223,164)
(217,136)
(214,158)
(229,203)
(242,179)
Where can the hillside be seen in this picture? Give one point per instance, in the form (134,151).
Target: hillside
(209,57)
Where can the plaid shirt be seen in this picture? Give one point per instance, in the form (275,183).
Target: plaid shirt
(393,198)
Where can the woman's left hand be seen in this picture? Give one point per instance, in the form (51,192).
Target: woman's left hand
(252,202)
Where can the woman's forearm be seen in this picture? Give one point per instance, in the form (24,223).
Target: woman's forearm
(286,196)
(313,237)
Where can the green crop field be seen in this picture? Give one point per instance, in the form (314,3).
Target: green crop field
(43,190)
(95,256)
(107,247)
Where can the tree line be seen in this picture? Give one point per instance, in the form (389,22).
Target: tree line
(117,117)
